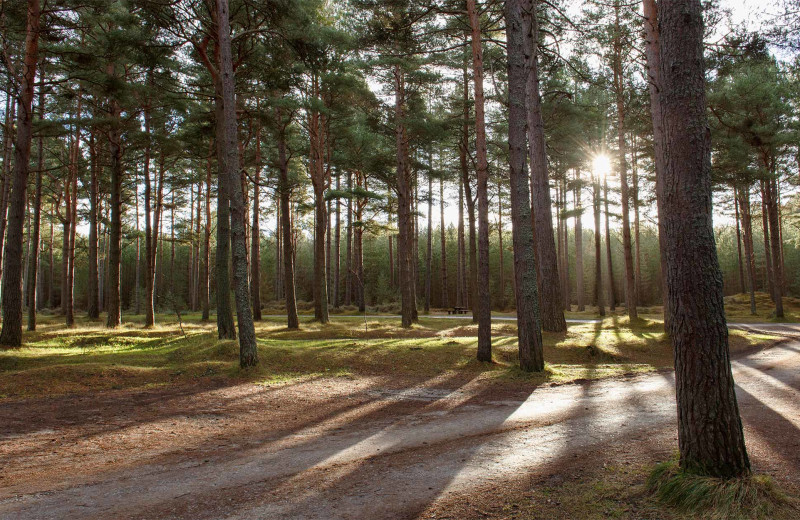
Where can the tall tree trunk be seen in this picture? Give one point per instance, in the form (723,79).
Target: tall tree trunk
(429,248)
(461,277)
(93,283)
(255,235)
(710,433)
(205,265)
(565,227)
(11,334)
(653,59)
(598,256)
(483,292)
(337,243)
(547,260)
(358,238)
(150,227)
(225,326)
(529,332)
(612,289)
(768,263)
(443,240)
(51,303)
(404,195)
(636,231)
(138,270)
(6,180)
(248,349)
(285,190)
(34,240)
(739,257)
(747,227)
(501,260)
(775,243)
(619,91)
(579,290)
(348,283)
(114,309)
(471,275)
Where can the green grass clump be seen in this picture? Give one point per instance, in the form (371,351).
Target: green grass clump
(746,498)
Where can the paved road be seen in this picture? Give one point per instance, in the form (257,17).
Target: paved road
(445,442)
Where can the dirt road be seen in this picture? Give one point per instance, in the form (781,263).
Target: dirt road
(354,449)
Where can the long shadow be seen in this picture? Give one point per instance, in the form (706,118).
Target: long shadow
(771,427)
(237,465)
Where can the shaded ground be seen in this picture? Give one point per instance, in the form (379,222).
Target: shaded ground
(386,446)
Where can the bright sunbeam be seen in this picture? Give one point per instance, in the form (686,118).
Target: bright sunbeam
(601,165)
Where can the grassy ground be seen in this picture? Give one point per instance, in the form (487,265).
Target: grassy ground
(56,360)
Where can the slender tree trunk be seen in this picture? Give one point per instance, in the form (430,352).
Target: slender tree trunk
(612,289)
(598,256)
(285,190)
(579,285)
(768,264)
(6,181)
(443,240)
(636,231)
(710,433)
(138,270)
(150,227)
(501,260)
(225,326)
(51,261)
(483,291)
(429,248)
(255,234)
(747,227)
(337,243)
(739,257)
(775,243)
(565,227)
(205,265)
(653,58)
(529,332)
(93,283)
(248,349)
(461,285)
(348,284)
(115,232)
(34,240)
(471,275)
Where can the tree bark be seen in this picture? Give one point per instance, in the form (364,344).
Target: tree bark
(35,241)
(750,261)
(612,289)
(205,265)
(653,59)
(443,240)
(579,286)
(768,263)
(285,190)
(248,349)
(518,29)
(337,243)
(255,234)
(404,195)
(775,243)
(619,91)
(710,434)
(552,304)
(113,302)
(598,256)
(739,257)
(484,296)
(429,247)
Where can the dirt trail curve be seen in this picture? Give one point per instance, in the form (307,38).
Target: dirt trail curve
(349,450)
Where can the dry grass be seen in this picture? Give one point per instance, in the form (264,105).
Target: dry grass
(56,360)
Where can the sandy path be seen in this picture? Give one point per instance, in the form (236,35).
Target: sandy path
(367,448)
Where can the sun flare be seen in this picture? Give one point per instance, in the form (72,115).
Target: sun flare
(601,165)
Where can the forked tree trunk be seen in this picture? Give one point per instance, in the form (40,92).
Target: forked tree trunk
(248,349)
(518,29)
(710,433)
(483,293)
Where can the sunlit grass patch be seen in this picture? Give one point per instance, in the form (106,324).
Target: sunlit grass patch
(745,498)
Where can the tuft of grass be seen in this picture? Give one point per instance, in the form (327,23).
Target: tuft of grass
(746,498)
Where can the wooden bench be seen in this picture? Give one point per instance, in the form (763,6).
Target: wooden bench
(458,310)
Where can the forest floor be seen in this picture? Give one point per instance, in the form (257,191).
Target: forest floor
(339,422)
